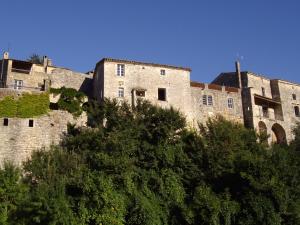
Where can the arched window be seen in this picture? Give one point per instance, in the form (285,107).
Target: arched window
(297,112)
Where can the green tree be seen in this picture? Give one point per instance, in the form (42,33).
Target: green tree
(35,58)
(141,165)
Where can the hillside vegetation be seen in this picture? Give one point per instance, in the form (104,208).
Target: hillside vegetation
(142,166)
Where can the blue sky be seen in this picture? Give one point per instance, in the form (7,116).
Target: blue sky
(205,35)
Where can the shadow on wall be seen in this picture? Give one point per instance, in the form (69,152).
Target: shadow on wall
(87,87)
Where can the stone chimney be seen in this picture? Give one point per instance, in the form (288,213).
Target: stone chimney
(45,61)
(49,62)
(238,73)
(5,55)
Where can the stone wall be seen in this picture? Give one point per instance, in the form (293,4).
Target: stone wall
(287,90)
(278,100)
(220,96)
(176,81)
(18,140)
(58,77)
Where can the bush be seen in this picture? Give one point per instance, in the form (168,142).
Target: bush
(70,99)
(28,105)
(8,107)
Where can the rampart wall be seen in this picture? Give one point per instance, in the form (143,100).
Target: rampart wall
(18,139)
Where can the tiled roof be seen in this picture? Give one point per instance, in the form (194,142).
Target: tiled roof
(143,63)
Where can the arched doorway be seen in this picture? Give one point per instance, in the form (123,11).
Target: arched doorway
(262,127)
(278,134)
(263,133)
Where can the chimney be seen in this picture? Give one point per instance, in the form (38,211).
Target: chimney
(5,55)
(49,62)
(45,61)
(238,73)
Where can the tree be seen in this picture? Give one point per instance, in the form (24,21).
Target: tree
(35,58)
(141,165)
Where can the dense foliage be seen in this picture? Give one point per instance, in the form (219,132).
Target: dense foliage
(142,166)
(70,99)
(26,106)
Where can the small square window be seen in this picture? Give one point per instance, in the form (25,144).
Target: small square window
(230,103)
(121,92)
(5,122)
(30,123)
(162,94)
(294,97)
(18,84)
(162,72)
(121,70)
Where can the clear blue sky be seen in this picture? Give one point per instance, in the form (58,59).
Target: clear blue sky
(206,35)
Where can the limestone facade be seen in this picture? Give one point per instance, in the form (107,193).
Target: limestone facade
(165,86)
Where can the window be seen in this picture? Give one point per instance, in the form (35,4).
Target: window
(121,70)
(121,92)
(297,112)
(230,103)
(30,124)
(5,122)
(140,93)
(207,100)
(162,94)
(204,99)
(265,111)
(18,84)
(263,91)
(294,96)
(162,72)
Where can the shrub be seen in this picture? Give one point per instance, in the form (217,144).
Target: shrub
(29,105)
(70,99)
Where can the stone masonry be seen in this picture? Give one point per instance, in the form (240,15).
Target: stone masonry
(269,106)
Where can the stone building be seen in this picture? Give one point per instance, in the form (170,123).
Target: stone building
(269,106)
(20,136)
(27,76)
(165,86)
